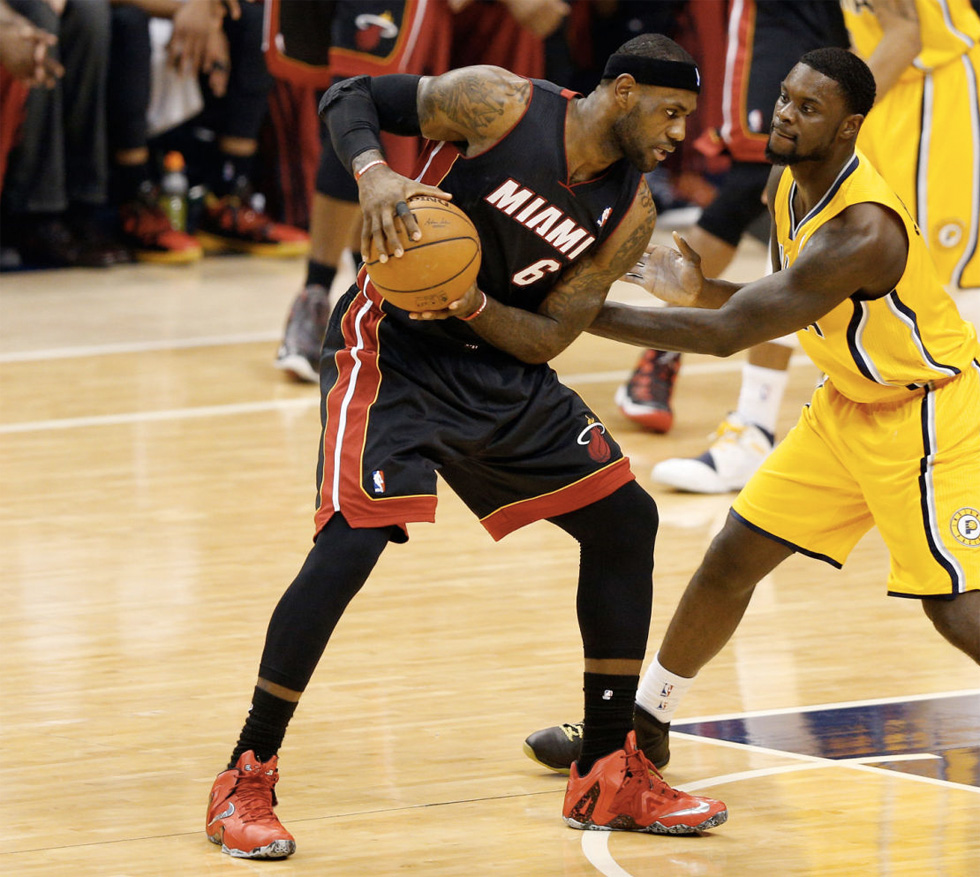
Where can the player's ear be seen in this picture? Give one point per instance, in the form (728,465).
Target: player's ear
(851,126)
(623,87)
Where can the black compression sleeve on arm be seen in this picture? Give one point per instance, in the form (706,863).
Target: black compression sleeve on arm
(355,110)
(396,97)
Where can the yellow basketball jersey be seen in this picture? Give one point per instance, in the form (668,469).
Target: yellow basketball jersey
(877,349)
(948,29)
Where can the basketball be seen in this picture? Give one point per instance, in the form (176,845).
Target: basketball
(436,270)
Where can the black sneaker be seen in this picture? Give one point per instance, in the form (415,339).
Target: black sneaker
(299,352)
(652,736)
(557,747)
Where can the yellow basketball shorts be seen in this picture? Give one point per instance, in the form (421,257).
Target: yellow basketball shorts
(923,137)
(911,468)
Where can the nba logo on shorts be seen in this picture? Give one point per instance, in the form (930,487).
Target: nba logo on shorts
(378,478)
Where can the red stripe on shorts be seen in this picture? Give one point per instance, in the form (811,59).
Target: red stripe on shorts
(581,493)
(348,412)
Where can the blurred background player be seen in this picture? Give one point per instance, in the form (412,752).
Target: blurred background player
(563,42)
(922,136)
(216,45)
(56,182)
(26,61)
(316,44)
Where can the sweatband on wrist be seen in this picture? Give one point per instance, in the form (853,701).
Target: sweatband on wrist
(479,310)
(655,71)
(360,173)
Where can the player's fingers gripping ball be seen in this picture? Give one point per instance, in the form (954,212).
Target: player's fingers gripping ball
(435,270)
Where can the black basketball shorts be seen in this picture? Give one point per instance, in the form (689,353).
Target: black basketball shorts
(399,405)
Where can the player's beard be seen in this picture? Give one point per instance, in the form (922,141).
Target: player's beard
(790,158)
(633,146)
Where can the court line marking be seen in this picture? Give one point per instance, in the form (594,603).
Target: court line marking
(844,704)
(88,350)
(299,403)
(281,405)
(863,763)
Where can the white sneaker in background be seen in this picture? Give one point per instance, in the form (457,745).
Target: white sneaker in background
(737,449)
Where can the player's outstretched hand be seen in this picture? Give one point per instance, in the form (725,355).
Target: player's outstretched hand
(673,276)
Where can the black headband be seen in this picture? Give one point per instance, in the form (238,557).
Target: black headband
(655,71)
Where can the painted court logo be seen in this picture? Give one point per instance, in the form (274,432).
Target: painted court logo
(593,436)
(965,526)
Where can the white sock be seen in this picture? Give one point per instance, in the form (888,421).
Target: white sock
(762,394)
(660,691)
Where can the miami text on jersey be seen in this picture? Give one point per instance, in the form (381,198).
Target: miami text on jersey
(546,220)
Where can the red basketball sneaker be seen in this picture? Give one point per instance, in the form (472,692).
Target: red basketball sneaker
(645,397)
(625,792)
(240,816)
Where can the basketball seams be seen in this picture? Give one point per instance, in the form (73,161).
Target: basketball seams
(433,286)
(458,254)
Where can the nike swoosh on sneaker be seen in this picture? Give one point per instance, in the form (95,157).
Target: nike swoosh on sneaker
(230,811)
(703,807)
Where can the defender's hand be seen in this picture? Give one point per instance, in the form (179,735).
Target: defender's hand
(674,276)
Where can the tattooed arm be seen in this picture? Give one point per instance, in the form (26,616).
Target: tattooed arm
(471,105)
(573,303)
(477,105)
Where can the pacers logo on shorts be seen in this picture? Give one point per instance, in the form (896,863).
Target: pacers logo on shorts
(593,436)
(949,233)
(965,526)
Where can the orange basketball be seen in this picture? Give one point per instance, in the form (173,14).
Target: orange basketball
(436,270)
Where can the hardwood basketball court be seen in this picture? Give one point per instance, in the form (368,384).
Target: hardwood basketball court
(157,481)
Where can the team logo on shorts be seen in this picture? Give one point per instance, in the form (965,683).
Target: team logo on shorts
(965,526)
(593,436)
(372,29)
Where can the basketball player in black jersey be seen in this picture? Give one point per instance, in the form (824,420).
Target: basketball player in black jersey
(554,183)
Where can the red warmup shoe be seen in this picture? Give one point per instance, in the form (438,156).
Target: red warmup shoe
(148,232)
(625,792)
(645,397)
(232,223)
(240,816)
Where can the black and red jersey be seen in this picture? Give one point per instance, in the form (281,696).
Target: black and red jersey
(533,223)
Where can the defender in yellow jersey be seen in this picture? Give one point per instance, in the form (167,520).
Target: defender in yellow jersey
(892,436)
(923,137)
